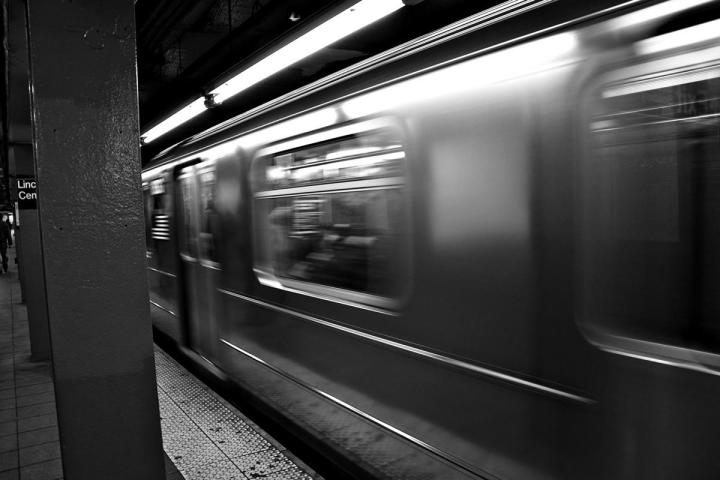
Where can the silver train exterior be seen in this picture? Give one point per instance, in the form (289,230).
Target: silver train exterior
(487,253)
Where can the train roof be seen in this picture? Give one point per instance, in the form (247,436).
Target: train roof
(486,22)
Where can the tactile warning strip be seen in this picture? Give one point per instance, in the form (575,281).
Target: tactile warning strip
(208,439)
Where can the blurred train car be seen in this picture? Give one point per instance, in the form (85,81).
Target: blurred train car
(489,253)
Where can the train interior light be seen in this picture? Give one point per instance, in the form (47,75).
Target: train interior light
(680,38)
(674,72)
(516,62)
(655,12)
(293,126)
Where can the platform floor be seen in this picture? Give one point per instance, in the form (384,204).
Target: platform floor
(207,438)
(204,437)
(29,446)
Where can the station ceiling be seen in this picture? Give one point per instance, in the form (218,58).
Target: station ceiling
(187,46)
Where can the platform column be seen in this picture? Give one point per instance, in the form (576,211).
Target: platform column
(27,234)
(29,254)
(85,135)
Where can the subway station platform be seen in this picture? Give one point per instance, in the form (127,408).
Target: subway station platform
(29,442)
(204,437)
(207,438)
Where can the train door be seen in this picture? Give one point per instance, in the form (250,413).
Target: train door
(649,251)
(198,228)
(161,255)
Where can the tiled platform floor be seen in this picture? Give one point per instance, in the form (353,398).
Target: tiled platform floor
(208,439)
(29,447)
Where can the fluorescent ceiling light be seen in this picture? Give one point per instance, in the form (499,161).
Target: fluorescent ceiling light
(354,18)
(176,119)
(348,21)
(680,38)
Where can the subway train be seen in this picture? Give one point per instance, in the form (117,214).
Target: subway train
(486,253)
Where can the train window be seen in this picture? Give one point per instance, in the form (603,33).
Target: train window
(188,245)
(147,214)
(331,220)
(160,210)
(209,220)
(650,242)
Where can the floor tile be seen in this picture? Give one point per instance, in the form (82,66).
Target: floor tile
(9,460)
(7,414)
(45,387)
(8,428)
(10,475)
(37,437)
(21,357)
(8,442)
(34,423)
(35,410)
(50,470)
(39,453)
(35,399)
(31,379)
(33,370)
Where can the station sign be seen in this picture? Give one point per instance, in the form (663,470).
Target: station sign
(27,192)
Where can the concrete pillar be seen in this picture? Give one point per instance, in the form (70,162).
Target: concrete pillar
(27,234)
(27,243)
(85,136)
